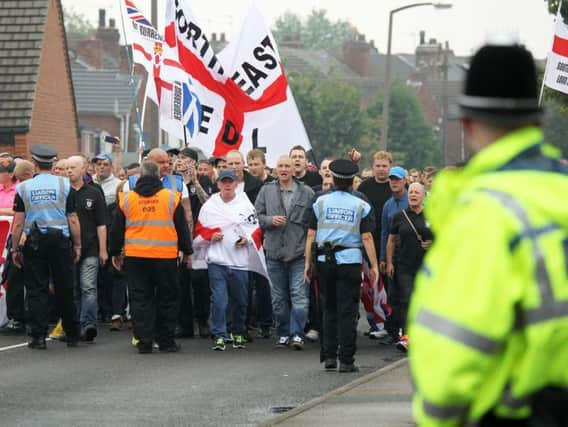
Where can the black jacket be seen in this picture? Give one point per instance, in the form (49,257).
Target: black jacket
(252,186)
(147,186)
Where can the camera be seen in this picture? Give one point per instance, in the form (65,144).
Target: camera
(111,139)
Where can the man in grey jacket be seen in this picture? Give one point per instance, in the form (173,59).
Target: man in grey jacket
(280,207)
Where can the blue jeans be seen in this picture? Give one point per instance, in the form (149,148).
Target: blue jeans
(226,283)
(88,270)
(290,300)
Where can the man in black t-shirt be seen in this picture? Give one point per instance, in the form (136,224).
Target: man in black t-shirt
(300,164)
(378,191)
(404,261)
(93,218)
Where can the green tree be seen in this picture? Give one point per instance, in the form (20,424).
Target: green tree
(332,114)
(76,23)
(411,138)
(317,32)
(287,27)
(556,125)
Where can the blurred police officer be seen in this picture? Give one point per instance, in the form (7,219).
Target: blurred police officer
(150,224)
(489,316)
(341,226)
(45,211)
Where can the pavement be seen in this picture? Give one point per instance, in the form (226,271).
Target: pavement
(379,399)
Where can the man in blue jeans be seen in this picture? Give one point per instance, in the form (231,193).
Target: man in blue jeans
(225,220)
(281,206)
(92,213)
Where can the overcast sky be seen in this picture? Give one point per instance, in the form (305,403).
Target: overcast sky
(466,26)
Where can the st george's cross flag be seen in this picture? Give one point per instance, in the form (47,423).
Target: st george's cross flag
(557,64)
(234,219)
(245,98)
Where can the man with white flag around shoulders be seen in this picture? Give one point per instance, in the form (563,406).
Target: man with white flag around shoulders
(228,236)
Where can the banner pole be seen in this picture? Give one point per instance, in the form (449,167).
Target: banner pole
(184,136)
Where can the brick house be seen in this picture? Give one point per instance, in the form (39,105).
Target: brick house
(36,91)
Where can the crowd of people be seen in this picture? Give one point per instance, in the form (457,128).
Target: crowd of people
(230,206)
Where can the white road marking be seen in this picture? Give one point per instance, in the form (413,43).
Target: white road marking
(12,347)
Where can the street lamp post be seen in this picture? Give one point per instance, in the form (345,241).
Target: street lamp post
(386,98)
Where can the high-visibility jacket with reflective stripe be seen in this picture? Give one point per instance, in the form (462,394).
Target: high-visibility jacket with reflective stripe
(150,230)
(45,201)
(489,315)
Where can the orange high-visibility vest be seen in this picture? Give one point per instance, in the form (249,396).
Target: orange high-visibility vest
(150,230)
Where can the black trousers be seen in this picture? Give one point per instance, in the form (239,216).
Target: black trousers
(404,288)
(15,294)
(340,287)
(194,298)
(53,254)
(153,291)
(548,410)
(259,311)
(111,291)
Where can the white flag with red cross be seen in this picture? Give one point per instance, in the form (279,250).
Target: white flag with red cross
(557,64)
(245,98)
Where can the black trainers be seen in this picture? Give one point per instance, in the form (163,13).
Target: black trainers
(330,364)
(144,347)
(89,334)
(348,367)
(37,343)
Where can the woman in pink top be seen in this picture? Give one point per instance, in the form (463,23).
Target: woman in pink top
(8,185)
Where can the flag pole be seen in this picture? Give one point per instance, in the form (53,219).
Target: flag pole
(131,82)
(541,95)
(185,136)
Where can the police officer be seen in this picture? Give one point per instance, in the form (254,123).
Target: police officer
(341,226)
(489,316)
(150,225)
(45,211)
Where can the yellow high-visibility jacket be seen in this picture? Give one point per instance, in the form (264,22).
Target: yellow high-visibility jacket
(489,315)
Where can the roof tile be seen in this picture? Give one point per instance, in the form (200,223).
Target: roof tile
(21,37)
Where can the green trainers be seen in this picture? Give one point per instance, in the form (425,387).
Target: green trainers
(238,341)
(219,345)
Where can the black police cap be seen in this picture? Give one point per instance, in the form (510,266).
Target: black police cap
(343,169)
(501,86)
(43,153)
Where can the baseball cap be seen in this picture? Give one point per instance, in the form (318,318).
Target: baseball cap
(397,172)
(227,174)
(103,156)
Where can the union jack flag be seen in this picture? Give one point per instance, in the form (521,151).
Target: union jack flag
(135,15)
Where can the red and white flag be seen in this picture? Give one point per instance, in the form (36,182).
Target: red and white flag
(235,220)
(5,226)
(557,64)
(245,97)
(168,84)
(374,298)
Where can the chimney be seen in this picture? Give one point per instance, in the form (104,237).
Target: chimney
(102,18)
(356,54)
(223,38)
(109,36)
(213,37)
(91,52)
(422,37)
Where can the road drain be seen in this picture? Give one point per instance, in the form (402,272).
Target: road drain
(281,409)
